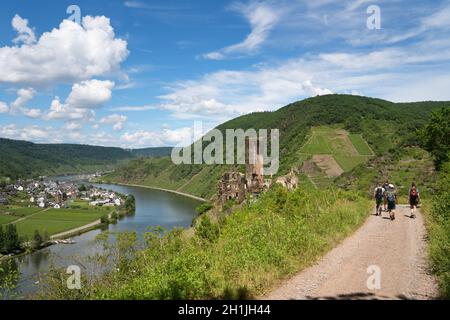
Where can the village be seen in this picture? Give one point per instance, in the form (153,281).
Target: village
(56,194)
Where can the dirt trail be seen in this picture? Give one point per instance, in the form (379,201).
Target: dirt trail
(397,247)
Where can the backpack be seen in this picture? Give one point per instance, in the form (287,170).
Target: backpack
(391,196)
(413,193)
(379,193)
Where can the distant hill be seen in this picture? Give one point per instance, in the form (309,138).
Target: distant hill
(22,159)
(151,152)
(387,127)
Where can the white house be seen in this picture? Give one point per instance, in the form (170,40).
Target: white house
(57,206)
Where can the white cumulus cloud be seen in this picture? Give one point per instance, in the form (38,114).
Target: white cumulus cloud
(116,120)
(3,107)
(83,98)
(25,33)
(67,54)
(90,94)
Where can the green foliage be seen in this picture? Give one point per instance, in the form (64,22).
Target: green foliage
(104,219)
(204,207)
(436,136)
(438,222)
(37,239)
(20,159)
(401,168)
(9,239)
(9,278)
(207,230)
(130,205)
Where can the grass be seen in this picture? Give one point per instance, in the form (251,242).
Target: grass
(347,163)
(437,217)
(349,150)
(55,221)
(243,255)
(24,211)
(5,219)
(360,145)
(12,213)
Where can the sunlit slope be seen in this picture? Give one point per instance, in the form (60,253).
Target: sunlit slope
(373,128)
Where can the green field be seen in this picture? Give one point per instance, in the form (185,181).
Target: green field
(360,145)
(52,221)
(4,219)
(349,150)
(55,221)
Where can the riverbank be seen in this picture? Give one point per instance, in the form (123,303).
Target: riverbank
(77,231)
(162,189)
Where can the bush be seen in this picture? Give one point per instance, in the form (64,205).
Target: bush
(207,230)
(203,208)
(104,219)
(438,222)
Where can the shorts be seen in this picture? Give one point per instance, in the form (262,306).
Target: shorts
(391,205)
(379,202)
(413,201)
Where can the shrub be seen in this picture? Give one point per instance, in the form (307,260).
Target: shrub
(203,208)
(207,230)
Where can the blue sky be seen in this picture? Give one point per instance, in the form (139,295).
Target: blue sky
(139,73)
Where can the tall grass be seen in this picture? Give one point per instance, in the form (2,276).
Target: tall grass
(437,215)
(242,255)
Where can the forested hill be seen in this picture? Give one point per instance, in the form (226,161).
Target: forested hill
(151,152)
(384,125)
(22,159)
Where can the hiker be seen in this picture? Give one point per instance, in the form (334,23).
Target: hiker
(385,187)
(414,198)
(391,199)
(378,194)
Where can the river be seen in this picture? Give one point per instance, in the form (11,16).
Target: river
(153,208)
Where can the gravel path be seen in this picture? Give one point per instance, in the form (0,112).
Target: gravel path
(397,247)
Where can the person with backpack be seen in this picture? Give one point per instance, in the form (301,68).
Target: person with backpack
(391,199)
(414,198)
(385,187)
(378,194)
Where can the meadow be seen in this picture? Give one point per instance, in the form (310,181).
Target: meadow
(346,151)
(51,221)
(54,221)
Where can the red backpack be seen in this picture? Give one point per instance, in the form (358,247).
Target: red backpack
(413,192)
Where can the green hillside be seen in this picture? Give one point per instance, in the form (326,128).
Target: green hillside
(385,126)
(21,159)
(151,152)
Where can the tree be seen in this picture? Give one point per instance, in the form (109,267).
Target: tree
(2,239)
(130,204)
(12,241)
(37,239)
(436,136)
(82,188)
